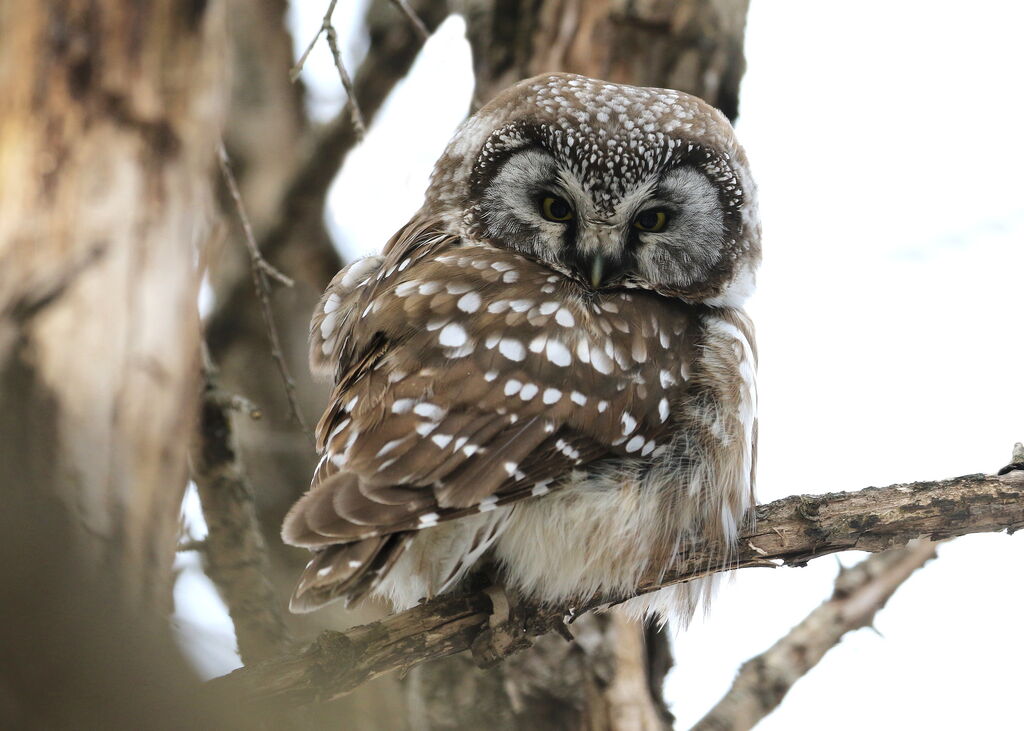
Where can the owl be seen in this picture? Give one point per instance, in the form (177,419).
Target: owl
(548,370)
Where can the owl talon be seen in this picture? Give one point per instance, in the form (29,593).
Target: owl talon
(505,633)
(501,608)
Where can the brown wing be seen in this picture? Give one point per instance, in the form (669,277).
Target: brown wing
(471,378)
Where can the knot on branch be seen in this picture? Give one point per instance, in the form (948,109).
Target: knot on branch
(332,653)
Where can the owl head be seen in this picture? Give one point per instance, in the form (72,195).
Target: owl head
(612,185)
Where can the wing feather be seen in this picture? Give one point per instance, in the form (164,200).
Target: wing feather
(468,378)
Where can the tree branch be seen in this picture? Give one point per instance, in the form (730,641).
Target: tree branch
(234,551)
(859,594)
(327,27)
(261,272)
(394,45)
(791,531)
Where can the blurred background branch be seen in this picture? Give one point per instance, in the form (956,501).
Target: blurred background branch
(860,593)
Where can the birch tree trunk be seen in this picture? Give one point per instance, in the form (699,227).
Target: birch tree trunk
(109,120)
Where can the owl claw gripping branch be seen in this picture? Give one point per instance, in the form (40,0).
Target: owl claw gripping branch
(548,369)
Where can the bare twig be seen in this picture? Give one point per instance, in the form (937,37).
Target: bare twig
(791,532)
(327,28)
(261,269)
(298,226)
(414,18)
(859,594)
(234,551)
(353,103)
(250,239)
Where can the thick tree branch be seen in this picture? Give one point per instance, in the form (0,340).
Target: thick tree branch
(791,531)
(859,594)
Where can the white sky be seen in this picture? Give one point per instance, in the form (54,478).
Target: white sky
(886,140)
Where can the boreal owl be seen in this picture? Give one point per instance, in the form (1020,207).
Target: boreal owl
(548,369)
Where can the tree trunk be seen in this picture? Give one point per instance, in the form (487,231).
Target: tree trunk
(695,46)
(109,122)
(111,117)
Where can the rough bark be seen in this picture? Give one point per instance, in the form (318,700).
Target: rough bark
(600,680)
(109,121)
(234,552)
(860,593)
(108,130)
(695,46)
(791,532)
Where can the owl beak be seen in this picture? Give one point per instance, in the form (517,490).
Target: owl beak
(596,271)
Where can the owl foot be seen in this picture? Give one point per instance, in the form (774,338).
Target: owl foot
(506,629)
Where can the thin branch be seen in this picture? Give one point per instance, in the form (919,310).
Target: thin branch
(234,551)
(297,68)
(859,594)
(353,103)
(790,532)
(327,28)
(261,269)
(298,226)
(414,18)
(250,239)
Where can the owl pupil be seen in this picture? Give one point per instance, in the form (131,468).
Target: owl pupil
(647,219)
(559,208)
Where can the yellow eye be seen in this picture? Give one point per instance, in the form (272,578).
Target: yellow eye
(652,221)
(556,209)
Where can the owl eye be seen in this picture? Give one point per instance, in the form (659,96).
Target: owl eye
(652,220)
(556,209)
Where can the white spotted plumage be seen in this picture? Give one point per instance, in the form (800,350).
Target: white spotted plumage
(566,393)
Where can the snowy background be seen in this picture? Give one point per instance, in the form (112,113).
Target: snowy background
(887,141)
